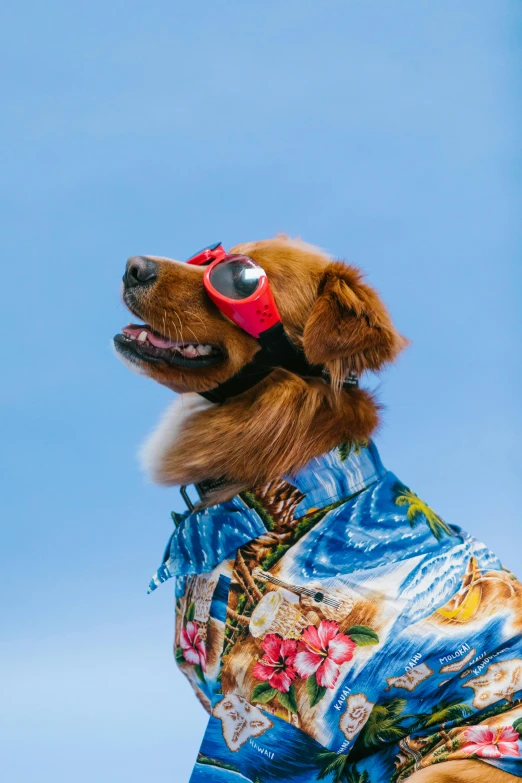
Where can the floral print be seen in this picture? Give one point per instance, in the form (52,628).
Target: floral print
(319,654)
(321,651)
(336,628)
(194,650)
(277,664)
(491,743)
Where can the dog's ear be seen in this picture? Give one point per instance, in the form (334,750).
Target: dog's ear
(349,328)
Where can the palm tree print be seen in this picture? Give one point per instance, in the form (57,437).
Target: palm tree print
(385,723)
(335,764)
(331,763)
(354,776)
(346,448)
(444,712)
(418,509)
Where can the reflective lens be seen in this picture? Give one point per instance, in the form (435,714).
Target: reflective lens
(237,277)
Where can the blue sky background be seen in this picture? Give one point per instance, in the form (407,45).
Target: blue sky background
(385,132)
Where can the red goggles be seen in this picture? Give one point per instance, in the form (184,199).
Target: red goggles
(239,287)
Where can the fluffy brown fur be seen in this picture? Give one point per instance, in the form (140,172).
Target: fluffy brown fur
(267,432)
(280,425)
(277,427)
(349,328)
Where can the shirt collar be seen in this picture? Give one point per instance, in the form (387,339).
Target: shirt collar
(204,538)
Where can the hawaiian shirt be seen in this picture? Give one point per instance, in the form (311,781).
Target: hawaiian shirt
(336,628)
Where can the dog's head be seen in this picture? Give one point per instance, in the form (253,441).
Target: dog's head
(188,345)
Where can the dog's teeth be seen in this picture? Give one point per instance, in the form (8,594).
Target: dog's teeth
(190,350)
(204,350)
(142,337)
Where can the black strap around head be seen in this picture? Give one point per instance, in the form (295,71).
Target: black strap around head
(277,350)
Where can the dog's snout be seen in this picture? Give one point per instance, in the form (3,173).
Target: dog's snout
(140,270)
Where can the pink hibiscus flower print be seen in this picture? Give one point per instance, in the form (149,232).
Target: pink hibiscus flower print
(321,651)
(193,646)
(277,664)
(491,743)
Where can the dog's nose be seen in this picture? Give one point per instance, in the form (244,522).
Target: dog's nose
(140,270)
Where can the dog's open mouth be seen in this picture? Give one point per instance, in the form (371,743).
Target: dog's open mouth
(142,342)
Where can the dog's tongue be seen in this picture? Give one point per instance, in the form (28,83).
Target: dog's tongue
(154,339)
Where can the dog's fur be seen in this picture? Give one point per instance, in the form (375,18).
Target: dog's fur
(338,320)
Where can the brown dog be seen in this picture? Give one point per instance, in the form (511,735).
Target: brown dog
(282,423)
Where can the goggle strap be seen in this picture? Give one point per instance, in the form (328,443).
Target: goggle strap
(248,377)
(277,350)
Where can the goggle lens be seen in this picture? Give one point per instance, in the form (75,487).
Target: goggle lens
(237,277)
